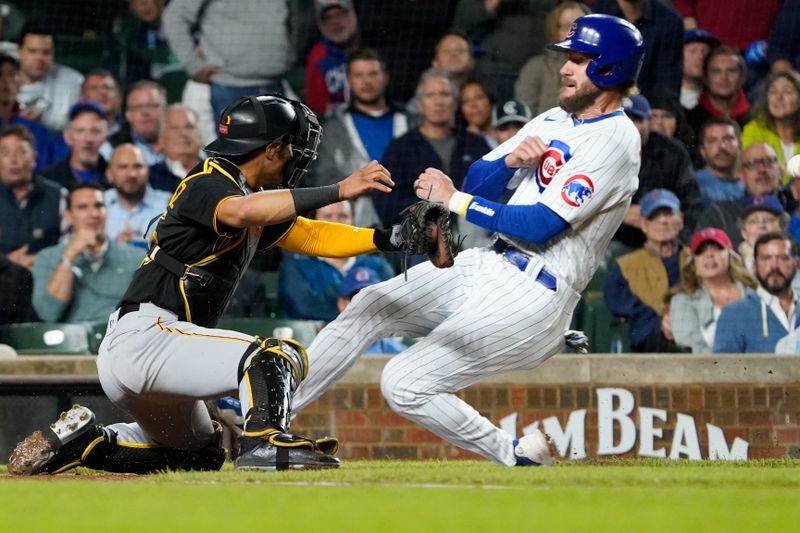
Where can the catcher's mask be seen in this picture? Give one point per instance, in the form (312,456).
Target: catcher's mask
(252,122)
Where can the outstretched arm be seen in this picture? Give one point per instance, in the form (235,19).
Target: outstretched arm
(533,223)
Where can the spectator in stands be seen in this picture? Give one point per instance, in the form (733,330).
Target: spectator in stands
(662,31)
(669,119)
(180,145)
(720,148)
(539,80)
(697,43)
(475,103)
(723,77)
(48,89)
(84,135)
(776,117)
(761,214)
(737,23)
(508,118)
(326,65)
(84,277)
(508,33)
(30,206)
(761,175)
(237,55)
(144,116)
(101,87)
(16,291)
(358,278)
(711,277)
(453,54)
(308,287)
(141,50)
(756,323)
(360,133)
(665,165)
(638,283)
(131,203)
(9,112)
(434,144)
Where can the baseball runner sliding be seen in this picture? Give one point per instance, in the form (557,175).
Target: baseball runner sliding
(573,170)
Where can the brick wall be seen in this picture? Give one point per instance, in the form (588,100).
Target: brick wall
(768,417)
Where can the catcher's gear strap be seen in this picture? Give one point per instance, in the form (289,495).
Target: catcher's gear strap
(311,198)
(183,271)
(273,374)
(112,456)
(328,239)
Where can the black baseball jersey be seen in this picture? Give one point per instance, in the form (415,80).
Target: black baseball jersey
(190,232)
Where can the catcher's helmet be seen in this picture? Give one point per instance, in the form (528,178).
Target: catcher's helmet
(615,43)
(252,122)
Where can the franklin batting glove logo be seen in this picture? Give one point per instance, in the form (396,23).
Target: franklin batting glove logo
(488,211)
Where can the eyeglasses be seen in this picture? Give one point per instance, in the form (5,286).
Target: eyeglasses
(763,161)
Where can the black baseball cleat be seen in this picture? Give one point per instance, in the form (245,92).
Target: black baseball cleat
(58,448)
(259,454)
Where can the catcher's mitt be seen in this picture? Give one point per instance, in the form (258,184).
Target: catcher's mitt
(425,229)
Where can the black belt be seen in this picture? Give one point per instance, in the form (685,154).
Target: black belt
(520,260)
(127,308)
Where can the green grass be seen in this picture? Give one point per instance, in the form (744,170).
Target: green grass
(464,496)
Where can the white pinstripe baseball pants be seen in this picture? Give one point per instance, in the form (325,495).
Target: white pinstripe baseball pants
(479,318)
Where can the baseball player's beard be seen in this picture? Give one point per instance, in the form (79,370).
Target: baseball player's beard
(581,100)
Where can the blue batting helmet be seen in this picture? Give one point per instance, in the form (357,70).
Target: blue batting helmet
(616,45)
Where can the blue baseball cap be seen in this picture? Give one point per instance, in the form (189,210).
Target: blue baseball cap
(698,35)
(636,105)
(356,279)
(763,203)
(86,105)
(658,199)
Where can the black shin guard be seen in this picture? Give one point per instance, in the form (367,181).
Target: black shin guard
(111,456)
(273,374)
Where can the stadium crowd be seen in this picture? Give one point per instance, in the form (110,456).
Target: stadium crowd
(100,121)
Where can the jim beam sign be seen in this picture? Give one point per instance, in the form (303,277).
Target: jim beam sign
(571,440)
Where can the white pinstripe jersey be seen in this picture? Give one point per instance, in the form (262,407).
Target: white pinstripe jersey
(587,175)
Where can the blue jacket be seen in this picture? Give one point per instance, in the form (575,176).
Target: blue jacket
(741,328)
(308,287)
(409,155)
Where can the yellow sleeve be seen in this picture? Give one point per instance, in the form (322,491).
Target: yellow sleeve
(327,239)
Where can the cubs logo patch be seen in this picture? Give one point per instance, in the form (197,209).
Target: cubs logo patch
(552,160)
(577,190)
(572,29)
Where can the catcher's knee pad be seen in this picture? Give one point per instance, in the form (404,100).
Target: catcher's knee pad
(114,456)
(272,375)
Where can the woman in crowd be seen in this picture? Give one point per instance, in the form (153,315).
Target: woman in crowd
(539,80)
(475,102)
(712,277)
(777,117)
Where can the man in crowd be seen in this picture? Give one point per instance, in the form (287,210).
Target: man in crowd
(434,144)
(132,203)
(761,174)
(48,89)
(724,74)
(83,278)
(508,118)
(85,135)
(180,145)
(635,286)
(144,115)
(362,132)
(755,323)
(720,145)
(326,65)
(101,87)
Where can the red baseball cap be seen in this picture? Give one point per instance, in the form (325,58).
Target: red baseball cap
(711,234)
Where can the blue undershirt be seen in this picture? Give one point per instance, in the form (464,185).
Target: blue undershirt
(375,132)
